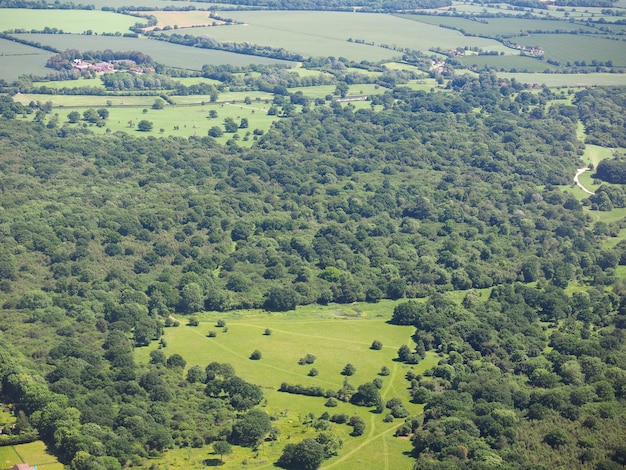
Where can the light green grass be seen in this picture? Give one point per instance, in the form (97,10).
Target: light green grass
(34,453)
(69,21)
(569,48)
(81,82)
(336,335)
(326,33)
(187,81)
(570,80)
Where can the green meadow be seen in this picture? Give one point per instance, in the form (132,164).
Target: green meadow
(336,335)
(33,453)
(69,21)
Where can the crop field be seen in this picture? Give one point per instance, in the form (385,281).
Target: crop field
(17,59)
(171,54)
(336,335)
(569,48)
(506,62)
(327,33)
(156,4)
(569,80)
(69,21)
(499,26)
(182,19)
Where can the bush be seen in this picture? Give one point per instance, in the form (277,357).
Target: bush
(256,355)
(376,345)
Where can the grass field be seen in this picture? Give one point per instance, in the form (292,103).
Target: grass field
(336,335)
(568,80)
(181,19)
(69,21)
(569,48)
(17,59)
(34,453)
(327,33)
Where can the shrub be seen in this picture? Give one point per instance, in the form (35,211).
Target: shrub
(256,355)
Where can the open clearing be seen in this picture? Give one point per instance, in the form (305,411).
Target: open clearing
(569,80)
(570,48)
(336,335)
(69,21)
(181,19)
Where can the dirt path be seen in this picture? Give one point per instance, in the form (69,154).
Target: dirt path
(579,172)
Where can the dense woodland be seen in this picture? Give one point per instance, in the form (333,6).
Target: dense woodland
(104,238)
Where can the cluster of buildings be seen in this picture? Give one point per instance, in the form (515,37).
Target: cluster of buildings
(103,67)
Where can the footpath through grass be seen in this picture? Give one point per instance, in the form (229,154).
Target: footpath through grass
(335,335)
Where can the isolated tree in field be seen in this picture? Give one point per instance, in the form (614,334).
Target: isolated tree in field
(215,132)
(256,355)
(158,104)
(376,345)
(230,125)
(348,370)
(73,117)
(213,114)
(103,113)
(306,455)
(144,125)
(222,448)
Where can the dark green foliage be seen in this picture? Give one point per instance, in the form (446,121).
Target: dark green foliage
(376,345)
(348,370)
(306,455)
(256,355)
(251,428)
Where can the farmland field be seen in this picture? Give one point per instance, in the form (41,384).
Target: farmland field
(171,54)
(336,336)
(17,59)
(506,62)
(572,80)
(569,48)
(70,21)
(499,26)
(34,453)
(182,19)
(327,33)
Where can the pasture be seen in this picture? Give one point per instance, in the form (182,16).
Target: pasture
(33,453)
(17,59)
(69,21)
(326,33)
(336,335)
(570,48)
(181,19)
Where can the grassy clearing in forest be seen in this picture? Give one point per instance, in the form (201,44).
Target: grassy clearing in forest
(336,335)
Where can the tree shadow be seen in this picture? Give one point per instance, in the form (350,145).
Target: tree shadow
(212,462)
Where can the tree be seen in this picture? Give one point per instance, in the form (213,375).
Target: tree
(222,448)
(176,361)
(215,132)
(376,345)
(251,428)
(348,370)
(73,117)
(306,455)
(556,438)
(281,299)
(144,125)
(103,113)
(158,104)
(256,355)
(230,126)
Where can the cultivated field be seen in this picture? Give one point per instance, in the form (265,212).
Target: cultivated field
(517,62)
(327,33)
(69,21)
(336,335)
(191,58)
(182,19)
(569,80)
(500,26)
(570,48)
(17,59)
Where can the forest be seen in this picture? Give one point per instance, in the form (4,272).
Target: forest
(104,239)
